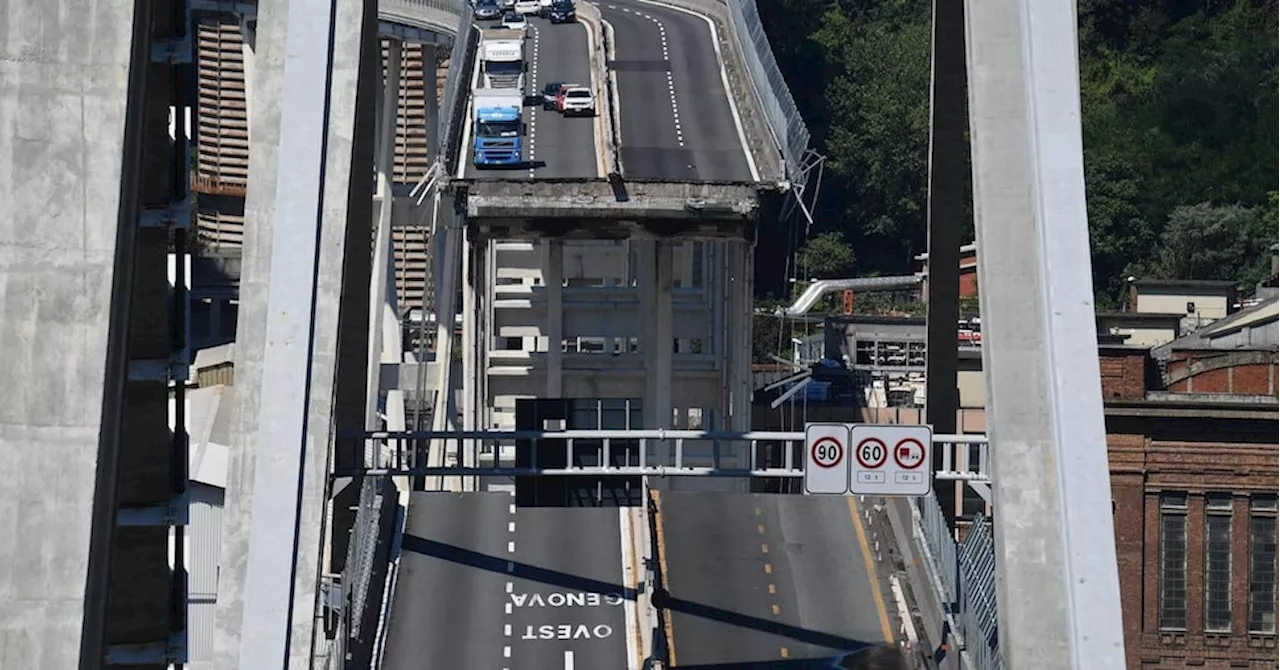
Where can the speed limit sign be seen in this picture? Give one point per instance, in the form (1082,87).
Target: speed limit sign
(826,468)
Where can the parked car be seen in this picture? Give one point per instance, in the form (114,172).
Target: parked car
(488,10)
(551,95)
(577,101)
(562,11)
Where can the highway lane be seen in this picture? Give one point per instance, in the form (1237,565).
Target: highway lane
(760,577)
(448,600)
(675,116)
(567,594)
(555,146)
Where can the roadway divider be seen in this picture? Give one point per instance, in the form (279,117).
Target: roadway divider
(655,580)
(603,88)
(457,91)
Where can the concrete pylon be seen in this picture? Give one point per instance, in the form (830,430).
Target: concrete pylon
(297,373)
(1057,580)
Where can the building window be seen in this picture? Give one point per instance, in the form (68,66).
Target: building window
(1262,565)
(1173,560)
(1217,563)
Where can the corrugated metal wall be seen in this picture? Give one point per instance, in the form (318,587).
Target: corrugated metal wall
(222,165)
(204,536)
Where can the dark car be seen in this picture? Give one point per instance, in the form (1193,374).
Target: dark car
(550,93)
(487,10)
(562,12)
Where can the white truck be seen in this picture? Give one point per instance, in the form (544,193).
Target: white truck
(502,59)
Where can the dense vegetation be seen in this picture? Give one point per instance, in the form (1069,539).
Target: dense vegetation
(1180,130)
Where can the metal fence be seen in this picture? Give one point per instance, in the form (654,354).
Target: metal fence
(779,107)
(457,85)
(967,573)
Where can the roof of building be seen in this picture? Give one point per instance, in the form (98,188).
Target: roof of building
(1140,316)
(1186,283)
(1256,315)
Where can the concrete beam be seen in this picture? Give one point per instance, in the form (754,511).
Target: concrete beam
(595,209)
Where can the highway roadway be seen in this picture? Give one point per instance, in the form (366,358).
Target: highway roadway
(756,578)
(675,115)
(556,146)
(484,583)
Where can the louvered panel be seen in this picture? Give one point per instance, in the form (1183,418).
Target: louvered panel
(222,148)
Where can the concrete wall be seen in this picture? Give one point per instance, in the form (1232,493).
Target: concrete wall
(1209,304)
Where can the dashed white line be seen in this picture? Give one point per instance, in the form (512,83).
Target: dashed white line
(507,608)
(511,508)
(511,567)
(510,587)
(533,112)
(671,84)
(511,526)
(506,652)
(506,629)
(511,547)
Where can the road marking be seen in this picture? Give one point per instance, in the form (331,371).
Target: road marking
(510,587)
(662,563)
(506,629)
(507,608)
(773,589)
(724,80)
(511,526)
(764,548)
(568,660)
(760,528)
(784,652)
(511,508)
(885,628)
(757,511)
(511,547)
(511,567)
(506,652)
(533,111)
(776,609)
(768,568)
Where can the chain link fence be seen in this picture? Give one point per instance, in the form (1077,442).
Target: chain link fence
(967,571)
(771,89)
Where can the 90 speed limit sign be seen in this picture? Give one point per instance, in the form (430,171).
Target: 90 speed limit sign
(826,468)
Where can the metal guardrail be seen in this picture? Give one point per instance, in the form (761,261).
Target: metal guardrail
(780,110)
(966,571)
(457,84)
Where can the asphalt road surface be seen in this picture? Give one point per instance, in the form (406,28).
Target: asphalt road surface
(447,607)
(486,584)
(760,577)
(567,594)
(555,146)
(675,115)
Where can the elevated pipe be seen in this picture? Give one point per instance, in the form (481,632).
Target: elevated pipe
(817,290)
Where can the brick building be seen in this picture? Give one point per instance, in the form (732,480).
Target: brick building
(968,272)
(1193,448)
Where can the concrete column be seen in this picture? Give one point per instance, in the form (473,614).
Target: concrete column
(1058,589)
(429,59)
(947,145)
(385,160)
(553,277)
(739,315)
(653,281)
(297,373)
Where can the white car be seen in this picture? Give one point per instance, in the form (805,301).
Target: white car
(578,101)
(515,21)
(528,7)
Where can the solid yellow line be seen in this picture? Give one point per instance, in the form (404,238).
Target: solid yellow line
(871,570)
(662,561)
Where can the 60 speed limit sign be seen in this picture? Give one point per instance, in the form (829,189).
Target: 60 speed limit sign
(826,468)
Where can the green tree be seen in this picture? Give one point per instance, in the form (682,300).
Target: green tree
(1206,242)
(828,256)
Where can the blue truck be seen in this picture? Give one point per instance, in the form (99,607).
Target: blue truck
(498,128)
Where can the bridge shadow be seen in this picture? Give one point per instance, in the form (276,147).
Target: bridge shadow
(661,598)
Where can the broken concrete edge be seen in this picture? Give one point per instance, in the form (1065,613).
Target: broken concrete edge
(759,135)
(589,16)
(601,199)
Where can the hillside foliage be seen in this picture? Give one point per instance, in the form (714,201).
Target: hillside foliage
(1179,103)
